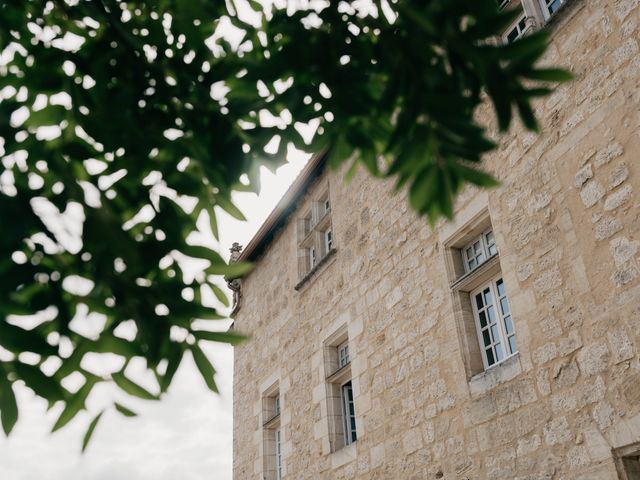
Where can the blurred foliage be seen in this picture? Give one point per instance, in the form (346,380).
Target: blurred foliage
(122,123)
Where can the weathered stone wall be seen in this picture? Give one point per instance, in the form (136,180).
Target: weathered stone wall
(567,224)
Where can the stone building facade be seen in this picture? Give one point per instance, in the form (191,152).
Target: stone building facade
(502,345)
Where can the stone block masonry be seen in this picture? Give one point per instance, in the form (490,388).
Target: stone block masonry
(566,220)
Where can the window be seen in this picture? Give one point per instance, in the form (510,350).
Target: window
(343,355)
(516,30)
(278,455)
(276,405)
(328,240)
(312,258)
(549,7)
(494,323)
(341,410)
(486,328)
(348,414)
(315,237)
(628,462)
(272,435)
(479,250)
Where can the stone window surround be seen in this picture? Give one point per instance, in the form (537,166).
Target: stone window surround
(335,377)
(312,228)
(535,11)
(271,421)
(470,225)
(627,461)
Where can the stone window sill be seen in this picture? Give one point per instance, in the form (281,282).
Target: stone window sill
(493,376)
(323,261)
(344,455)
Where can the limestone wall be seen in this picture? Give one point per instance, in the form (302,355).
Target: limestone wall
(567,224)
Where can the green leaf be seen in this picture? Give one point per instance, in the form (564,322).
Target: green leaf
(174,358)
(220,295)
(124,410)
(233,338)
(477,177)
(423,188)
(230,208)
(232,270)
(42,385)
(90,430)
(131,387)
(549,75)
(75,404)
(204,366)
(8,405)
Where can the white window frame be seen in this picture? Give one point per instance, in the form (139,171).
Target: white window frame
(517,27)
(348,413)
(501,316)
(278,435)
(328,240)
(546,12)
(276,405)
(312,258)
(327,205)
(343,355)
(486,250)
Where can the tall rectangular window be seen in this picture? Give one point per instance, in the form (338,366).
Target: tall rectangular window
(494,323)
(479,294)
(272,434)
(278,455)
(349,414)
(328,240)
(341,411)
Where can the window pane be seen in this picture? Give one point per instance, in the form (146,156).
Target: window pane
(492,249)
(500,286)
(487,297)
(499,353)
(483,319)
(554,5)
(504,305)
(512,344)
(479,302)
(492,314)
(486,338)
(494,333)
(472,264)
(508,325)
(490,359)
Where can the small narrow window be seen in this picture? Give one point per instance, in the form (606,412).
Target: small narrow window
(327,206)
(494,322)
(343,355)
(276,405)
(328,240)
(349,414)
(312,258)
(278,455)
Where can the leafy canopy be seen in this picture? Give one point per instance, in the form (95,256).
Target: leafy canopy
(123,123)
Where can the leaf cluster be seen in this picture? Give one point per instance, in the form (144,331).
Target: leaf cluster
(123,123)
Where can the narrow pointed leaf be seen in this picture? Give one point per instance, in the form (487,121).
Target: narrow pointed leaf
(90,430)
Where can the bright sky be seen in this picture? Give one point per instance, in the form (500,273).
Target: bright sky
(185,436)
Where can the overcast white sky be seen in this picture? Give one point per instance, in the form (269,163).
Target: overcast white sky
(185,436)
